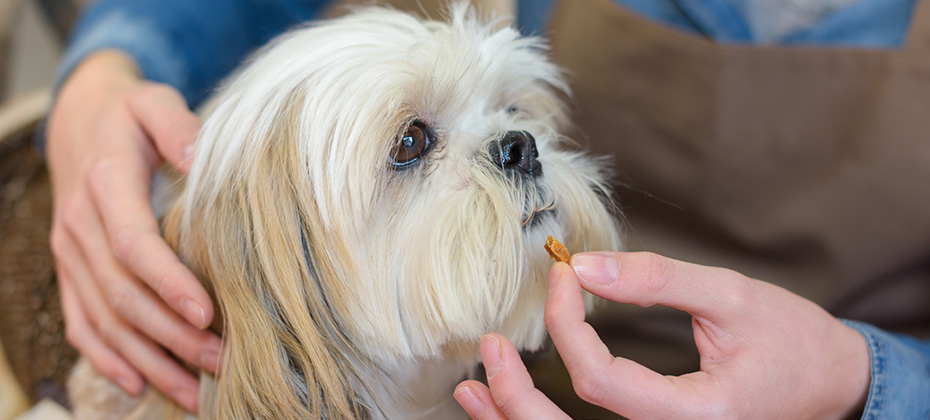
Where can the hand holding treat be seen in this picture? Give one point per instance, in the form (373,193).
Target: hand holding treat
(742,327)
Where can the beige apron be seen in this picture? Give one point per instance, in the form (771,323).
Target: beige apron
(805,167)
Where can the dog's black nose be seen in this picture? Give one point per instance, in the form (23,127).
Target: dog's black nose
(516,150)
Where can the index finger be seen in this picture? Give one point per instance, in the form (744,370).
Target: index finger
(121,195)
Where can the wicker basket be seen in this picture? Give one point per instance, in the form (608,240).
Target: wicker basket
(31,323)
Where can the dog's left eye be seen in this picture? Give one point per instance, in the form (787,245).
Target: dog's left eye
(412,144)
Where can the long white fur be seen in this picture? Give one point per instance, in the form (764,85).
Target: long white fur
(349,275)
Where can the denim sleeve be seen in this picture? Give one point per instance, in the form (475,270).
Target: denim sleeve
(900,387)
(190,45)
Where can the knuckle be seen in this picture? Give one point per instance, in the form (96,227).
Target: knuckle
(100,173)
(656,265)
(508,402)
(72,215)
(738,294)
(590,388)
(121,298)
(164,286)
(123,243)
(109,331)
(658,273)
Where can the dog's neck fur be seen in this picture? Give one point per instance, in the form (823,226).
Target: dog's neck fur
(416,389)
(422,389)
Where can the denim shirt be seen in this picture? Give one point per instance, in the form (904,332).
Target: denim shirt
(191,45)
(900,387)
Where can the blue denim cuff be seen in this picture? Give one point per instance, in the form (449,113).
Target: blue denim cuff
(900,386)
(138,37)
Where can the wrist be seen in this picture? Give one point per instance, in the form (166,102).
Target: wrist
(95,82)
(104,68)
(855,375)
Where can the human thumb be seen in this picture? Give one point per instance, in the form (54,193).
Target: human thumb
(165,117)
(647,279)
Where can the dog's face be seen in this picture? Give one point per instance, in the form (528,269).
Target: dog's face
(387,184)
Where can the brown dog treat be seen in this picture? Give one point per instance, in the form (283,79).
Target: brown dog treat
(557,251)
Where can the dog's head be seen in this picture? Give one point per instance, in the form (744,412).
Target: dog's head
(379,188)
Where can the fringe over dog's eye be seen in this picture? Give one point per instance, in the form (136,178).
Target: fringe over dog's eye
(411,144)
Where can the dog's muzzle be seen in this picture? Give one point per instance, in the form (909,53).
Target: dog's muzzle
(516,152)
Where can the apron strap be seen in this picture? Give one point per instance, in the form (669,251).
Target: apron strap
(919,37)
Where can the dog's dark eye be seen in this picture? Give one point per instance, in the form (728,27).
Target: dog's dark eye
(411,145)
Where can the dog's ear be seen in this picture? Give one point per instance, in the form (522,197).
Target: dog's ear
(250,243)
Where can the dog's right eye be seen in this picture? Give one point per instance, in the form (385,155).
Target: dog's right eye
(411,144)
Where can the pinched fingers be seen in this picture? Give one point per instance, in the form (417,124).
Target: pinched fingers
(619,385)
(512,394)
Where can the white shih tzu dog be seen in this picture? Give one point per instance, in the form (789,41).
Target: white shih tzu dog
(369,196)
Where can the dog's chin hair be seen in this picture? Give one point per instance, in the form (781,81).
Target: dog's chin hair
(348,288)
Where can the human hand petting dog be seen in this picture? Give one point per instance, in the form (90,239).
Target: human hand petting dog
(765,353)
(125,295)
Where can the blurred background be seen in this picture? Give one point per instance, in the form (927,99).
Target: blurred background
(32,33)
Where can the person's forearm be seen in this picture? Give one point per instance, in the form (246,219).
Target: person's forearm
(107,65)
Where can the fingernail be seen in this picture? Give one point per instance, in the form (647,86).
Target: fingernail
(469,401)
(596,267)
(490,355)
(193,313)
